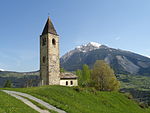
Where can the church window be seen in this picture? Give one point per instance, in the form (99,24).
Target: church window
(66,83)
(43,41)
(71,82)
(53,41)
(44,58)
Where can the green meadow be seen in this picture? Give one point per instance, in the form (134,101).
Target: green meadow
(80,100)
(10,104)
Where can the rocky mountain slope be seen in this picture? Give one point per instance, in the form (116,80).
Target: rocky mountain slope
(123,62)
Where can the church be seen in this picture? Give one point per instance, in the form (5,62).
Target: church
(49,59)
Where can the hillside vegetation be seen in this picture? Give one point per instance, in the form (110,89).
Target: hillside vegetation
(77,100)
(9,104)
(19,79)
(138,86)
(17,74)
(136,82)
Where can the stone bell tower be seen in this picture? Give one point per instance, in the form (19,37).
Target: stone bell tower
(49,55)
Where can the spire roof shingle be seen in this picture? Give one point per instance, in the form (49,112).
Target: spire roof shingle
(49,28)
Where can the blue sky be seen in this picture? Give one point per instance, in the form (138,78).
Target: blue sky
(123,24)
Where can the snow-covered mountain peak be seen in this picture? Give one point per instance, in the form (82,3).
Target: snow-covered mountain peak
(88,47)
(95,44)
(2,70)
(82,48)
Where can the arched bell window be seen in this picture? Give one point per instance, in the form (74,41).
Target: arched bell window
(53,41)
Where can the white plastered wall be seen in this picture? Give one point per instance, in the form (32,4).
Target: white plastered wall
(74,82)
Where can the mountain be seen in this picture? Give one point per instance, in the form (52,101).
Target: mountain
(1,70)
(17,74)
(123,62)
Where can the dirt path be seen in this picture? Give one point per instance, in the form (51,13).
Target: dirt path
(20,96)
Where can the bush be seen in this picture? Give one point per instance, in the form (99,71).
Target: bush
(78,89)
(143,105)
(8,84)
(128,95)
(103,77)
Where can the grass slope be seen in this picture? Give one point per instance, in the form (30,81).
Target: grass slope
(84,101)
(10,104)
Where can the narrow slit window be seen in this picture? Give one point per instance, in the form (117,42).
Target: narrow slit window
(43,41)
(44,59)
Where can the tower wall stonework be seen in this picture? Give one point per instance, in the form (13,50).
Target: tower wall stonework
(49,59)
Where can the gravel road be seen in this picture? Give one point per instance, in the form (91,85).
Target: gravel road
(20,96)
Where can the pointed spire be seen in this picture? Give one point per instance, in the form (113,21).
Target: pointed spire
(49,28)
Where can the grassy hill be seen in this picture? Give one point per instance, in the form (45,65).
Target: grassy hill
(77,100)
(9,104)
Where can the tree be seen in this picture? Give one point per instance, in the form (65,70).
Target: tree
(62,70)
(103,77)
(8,84)
(86,73)
(29,83)
(80,78)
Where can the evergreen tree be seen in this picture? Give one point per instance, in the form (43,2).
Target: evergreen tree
(103,77)
(8,84)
